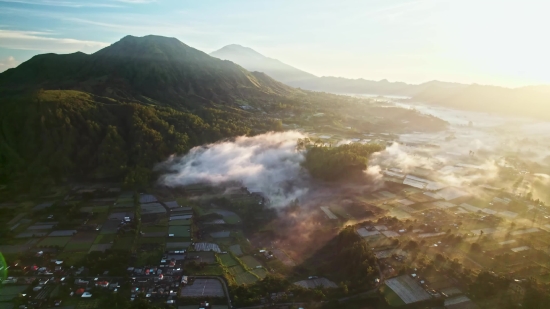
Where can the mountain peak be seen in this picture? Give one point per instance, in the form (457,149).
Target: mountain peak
(254,61)
(160,68)
(237,49)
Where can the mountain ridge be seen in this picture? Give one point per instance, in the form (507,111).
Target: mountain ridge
(255,61)
(140,66)
(474,97)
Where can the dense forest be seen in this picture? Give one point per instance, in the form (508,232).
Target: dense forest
(333,163)
(50,135)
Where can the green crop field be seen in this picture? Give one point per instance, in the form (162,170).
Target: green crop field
(181,222)
(210,270)
(154,229)
(260,272)
(125,200)
(99,209)
(88,304)
(236,249)
(227,260)
(105,239)
(153,240)
(245,278)
(123,243)
(232,219)
(78,246)
(235,270)
(8,292)
(179,231)
(341,212)
(250,262)
(72,258)
(54,241)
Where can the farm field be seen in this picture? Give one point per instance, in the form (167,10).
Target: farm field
(88,304)
(260,272)
(232,219)
(210,270)
(236,249)
(227,260)
(340,212)
(105,239)
(9,292)
(154,229)
(54,241)
(123,243)
(179,231)
(183,222)
(235,270)
(78,246)
(245,278)
(72,258)
(250,261)
(100,209)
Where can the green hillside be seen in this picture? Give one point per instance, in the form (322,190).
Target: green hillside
(116,113)
(49,135)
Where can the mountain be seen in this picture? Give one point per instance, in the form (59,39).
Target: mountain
(454,95)
(254,61)
(143,69)
(116,113)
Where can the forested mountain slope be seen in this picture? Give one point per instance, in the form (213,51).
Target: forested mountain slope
(117,112)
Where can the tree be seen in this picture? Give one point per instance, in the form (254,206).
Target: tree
(475,247)
(337,162)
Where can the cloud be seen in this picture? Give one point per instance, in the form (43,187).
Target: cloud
(70,4)
(29,40)
(8,63)
(269,163)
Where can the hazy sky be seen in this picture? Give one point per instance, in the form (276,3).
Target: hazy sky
(497,42)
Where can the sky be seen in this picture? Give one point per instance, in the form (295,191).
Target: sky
(495,42)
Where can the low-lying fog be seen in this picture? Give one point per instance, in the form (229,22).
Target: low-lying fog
(473,141)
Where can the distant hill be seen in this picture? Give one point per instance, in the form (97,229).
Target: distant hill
(254,61)
(531,101)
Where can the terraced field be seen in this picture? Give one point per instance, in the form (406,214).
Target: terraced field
(250,261)
(245,278)
(227,260)
(260,272)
